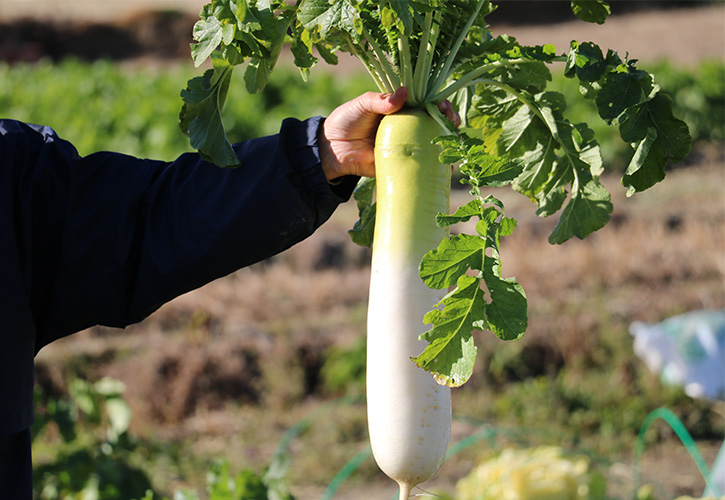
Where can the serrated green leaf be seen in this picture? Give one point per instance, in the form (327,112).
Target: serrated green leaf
(491,103)
(591,11)
(580,151)
(620,91)
(451,353)
(492,200)
(544,53)
(498,45)
(364,193)
(555,102)
(441,267)
(257,73)
(537,167)
(326,53)
(506,314)
(208,33)
(246,19)
(232,54)
(488,218)
(657,112)
(217,25)
(249,46)
(588,210)
(637,168)
(328,16)
(200,118)
(671,143)
(507,227)
(256,76)
(450,156)
(448,141)
(303,56)
(554,192)
(363,229)
(462,214)
(484,169)
(586,61)
(531,76)
(404,14)
(516,134)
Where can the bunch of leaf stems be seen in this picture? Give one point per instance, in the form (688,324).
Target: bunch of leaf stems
(426,78)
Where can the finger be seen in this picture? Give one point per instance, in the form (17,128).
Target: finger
(456,119)
(383,104)
(447,109)
(397,100)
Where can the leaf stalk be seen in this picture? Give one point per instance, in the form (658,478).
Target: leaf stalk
(444,71)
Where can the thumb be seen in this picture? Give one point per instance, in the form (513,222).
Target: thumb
(383,104)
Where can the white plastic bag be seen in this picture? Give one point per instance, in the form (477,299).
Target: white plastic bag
(686,350)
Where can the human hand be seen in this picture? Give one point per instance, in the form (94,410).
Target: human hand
(347,137)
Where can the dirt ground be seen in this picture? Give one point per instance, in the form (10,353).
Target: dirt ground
(684,35)
(91,10)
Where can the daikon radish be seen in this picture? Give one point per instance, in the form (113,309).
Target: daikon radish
(409,414)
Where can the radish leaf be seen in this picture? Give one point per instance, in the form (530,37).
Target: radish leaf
(466,309)
(658,137)
(506,314)
(592,11)
(451,352)
(362,231)
(587,211)
(201,116)
(328,17)
(454,256)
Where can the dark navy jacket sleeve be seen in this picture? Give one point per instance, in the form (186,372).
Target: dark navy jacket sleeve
(109,238)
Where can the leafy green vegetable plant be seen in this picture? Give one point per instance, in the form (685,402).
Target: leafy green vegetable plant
(87,464)
(514,132)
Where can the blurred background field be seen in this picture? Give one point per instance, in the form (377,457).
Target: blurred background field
(223,372)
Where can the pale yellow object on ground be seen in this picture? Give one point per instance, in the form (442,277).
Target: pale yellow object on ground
(705,498)
(544,473)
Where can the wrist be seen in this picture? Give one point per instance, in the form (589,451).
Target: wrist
(328,161)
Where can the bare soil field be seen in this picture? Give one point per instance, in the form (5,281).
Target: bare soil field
(162,28)
(223,371)
(82,11)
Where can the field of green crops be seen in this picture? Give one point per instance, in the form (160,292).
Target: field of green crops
(102,106)
(293,350)
(91,104)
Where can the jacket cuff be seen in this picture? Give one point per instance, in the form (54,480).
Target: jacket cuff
(300,139)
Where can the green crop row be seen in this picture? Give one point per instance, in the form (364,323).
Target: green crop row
(104,106)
